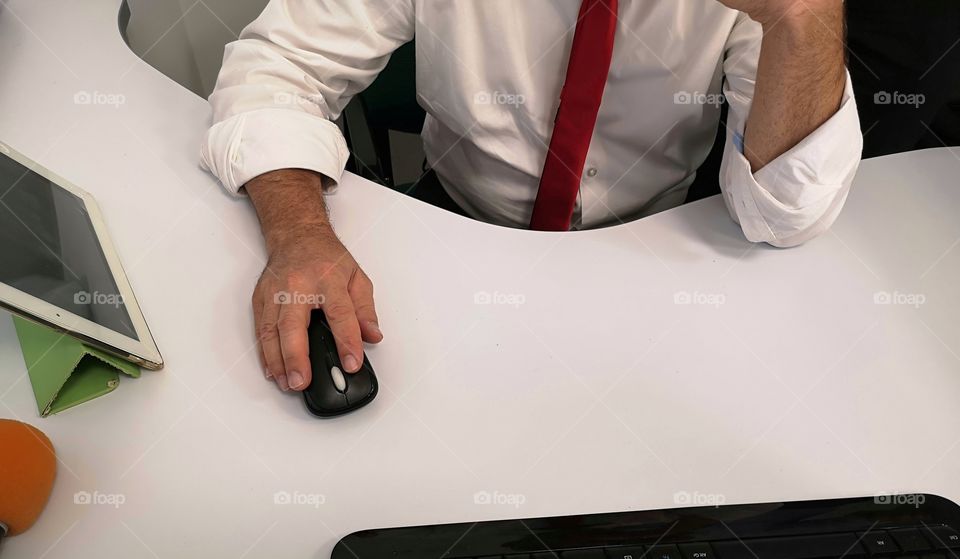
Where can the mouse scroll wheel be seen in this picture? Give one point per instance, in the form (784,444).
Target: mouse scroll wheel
(339,381)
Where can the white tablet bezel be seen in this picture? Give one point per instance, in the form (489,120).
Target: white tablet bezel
(144,351)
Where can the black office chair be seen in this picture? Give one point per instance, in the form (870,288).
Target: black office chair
(905,66)
(707,181)
(389,103)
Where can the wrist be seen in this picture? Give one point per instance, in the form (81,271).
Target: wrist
(290,206)
(293,235)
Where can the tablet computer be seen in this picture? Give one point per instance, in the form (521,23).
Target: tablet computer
(58,266)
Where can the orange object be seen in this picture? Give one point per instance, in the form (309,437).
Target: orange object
(28,466)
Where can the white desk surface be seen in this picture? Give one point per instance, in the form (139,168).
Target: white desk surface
(597,393)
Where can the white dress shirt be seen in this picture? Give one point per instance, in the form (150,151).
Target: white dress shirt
(489,74)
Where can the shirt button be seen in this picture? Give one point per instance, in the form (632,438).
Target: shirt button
(592,172)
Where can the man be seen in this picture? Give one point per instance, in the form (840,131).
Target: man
(639,114)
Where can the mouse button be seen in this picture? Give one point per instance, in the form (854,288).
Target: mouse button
(321,390)
(325,399)
(339,382)
(360,386)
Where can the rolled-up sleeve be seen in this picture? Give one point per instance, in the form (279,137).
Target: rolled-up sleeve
(286,80)
(798,195)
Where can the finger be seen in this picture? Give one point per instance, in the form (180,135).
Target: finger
(257,317)
(361,292)
(342,317)
(294,344)
(270,341)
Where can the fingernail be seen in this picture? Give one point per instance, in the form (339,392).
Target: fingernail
(282,381)
(295,379)
(375,327)
(266,373)
(350,363)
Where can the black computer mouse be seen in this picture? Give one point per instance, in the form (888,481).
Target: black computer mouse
(333,391)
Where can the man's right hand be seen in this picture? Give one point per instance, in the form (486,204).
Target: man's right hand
(308,268)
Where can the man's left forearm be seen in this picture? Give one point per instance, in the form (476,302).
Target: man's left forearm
(800,80)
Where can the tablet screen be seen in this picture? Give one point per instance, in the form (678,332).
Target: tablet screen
(49,249)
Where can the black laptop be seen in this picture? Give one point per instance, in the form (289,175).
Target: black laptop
(890,526)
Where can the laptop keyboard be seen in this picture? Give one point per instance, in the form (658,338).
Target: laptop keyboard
(910,526)
(921,542)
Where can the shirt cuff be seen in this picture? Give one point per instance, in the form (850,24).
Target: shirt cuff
(799,194)
(250,144)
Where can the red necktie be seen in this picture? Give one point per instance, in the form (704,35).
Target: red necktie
(579,103)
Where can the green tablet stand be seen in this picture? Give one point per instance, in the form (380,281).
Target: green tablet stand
(64,371)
